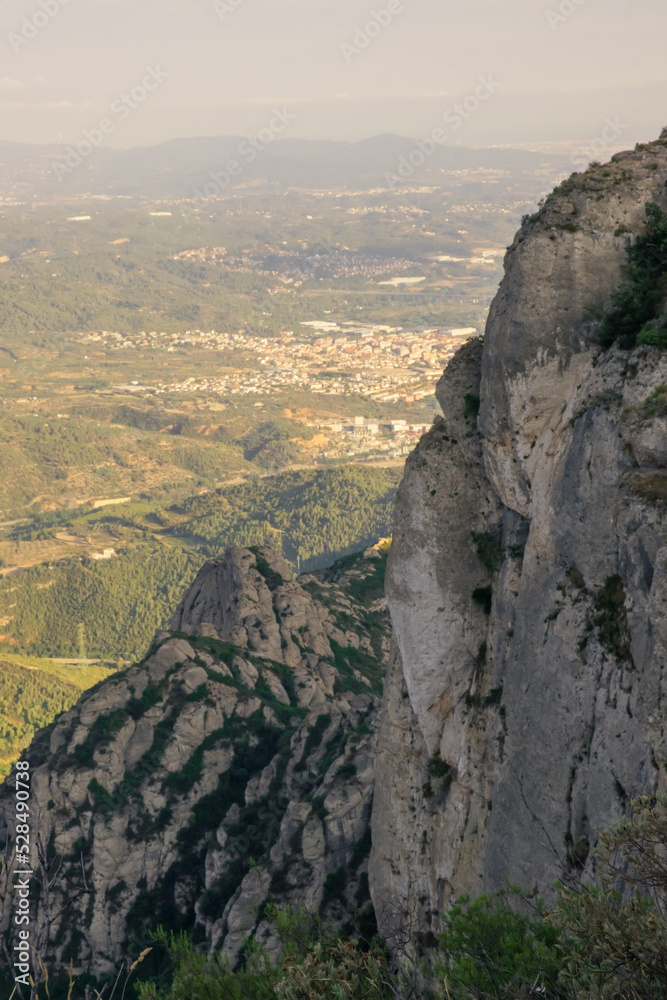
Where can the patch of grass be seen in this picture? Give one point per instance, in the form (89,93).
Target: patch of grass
(112,896)
(151,696)
(371,587)
(347,771)
(655,405)
(332,751)
(225,651)
(347,660)
(103,801)
(199,694)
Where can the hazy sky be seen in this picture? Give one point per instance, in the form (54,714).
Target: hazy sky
(560,68)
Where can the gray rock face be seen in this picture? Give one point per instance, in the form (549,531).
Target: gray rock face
(226,767)
(526,582)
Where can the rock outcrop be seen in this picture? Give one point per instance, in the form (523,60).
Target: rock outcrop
(527,581)
(234,763)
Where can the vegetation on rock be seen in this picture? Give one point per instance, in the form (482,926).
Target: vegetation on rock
(636,313)
(595,943)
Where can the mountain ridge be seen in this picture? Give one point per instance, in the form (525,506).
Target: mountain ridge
(233,764)
(176,168)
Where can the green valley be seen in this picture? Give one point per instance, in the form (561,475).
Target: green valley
(119,571)
(32,692)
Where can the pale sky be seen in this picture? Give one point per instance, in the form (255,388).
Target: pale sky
(346,69)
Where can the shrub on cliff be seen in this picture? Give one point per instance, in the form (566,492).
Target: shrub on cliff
(633,315)
(599,942)
(317,963)
(489,949)
(204,978)
(615,946)
(596,943)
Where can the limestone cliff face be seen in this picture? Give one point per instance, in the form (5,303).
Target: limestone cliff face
(234,762)
(527,582)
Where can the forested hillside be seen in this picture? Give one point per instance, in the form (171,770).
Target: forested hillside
(313,517)
(32,693)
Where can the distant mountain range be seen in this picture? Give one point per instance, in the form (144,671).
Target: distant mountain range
(178,168)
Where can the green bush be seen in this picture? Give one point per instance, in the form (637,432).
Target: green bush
(615,945)
(489,550)
(102,732)
(272,576)
(635,304)
(336,971)
(197,976)
(488,948)
(652,335)
(317,963)
(471,405)
(655,405)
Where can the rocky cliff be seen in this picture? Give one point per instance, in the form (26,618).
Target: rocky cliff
(235,762)
(527,581)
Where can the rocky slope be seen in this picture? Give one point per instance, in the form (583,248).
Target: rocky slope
(234,762)
(527,582)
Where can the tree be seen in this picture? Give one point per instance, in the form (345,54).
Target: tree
(614,936)
(632,317)
(490,949)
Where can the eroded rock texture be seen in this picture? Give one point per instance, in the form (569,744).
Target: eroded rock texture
(234,762)
(527,582)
